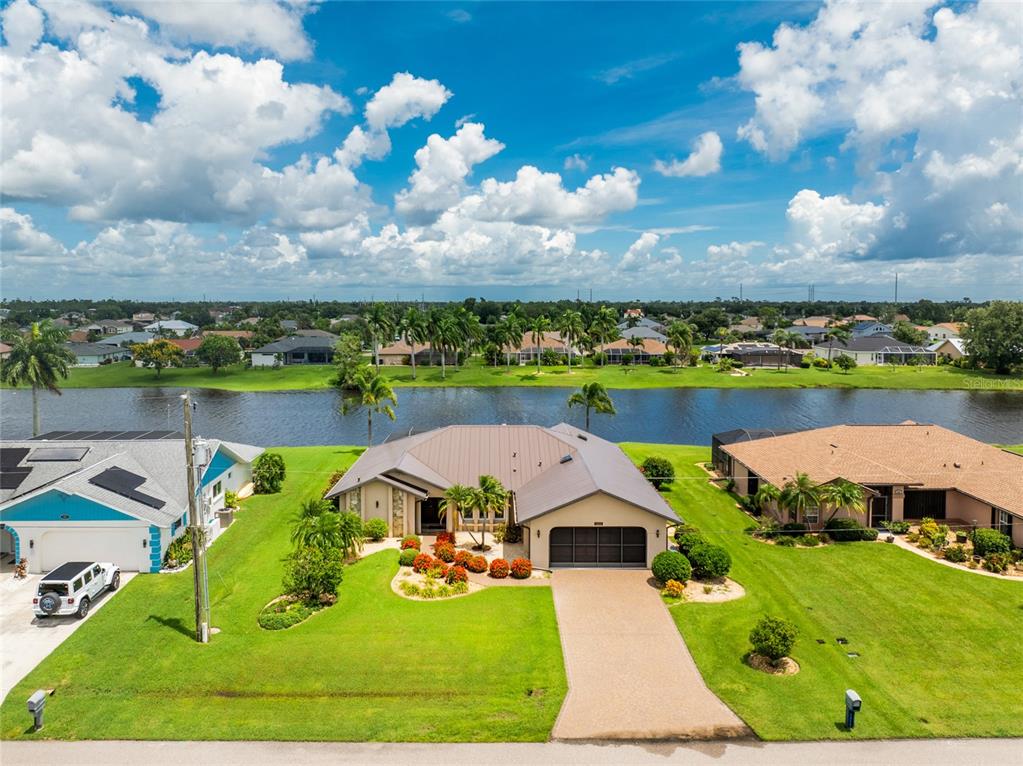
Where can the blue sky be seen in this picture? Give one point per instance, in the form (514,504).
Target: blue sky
(695,146)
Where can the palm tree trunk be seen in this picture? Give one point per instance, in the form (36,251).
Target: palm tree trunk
(369,428)
(413,358)
(569,350)
(376,354)
(443,366)
(35,411)
(587,417)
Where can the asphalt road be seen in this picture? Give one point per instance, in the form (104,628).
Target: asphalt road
(990,752)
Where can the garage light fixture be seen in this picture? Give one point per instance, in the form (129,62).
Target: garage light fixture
(145,543)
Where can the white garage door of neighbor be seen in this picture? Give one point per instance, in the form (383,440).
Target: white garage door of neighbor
(123,547)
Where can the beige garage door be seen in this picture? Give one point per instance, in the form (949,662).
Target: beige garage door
(122,546)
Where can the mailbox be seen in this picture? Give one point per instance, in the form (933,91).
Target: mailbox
(853,703)
(36,703)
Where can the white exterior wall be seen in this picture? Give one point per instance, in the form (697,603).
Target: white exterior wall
(263,360)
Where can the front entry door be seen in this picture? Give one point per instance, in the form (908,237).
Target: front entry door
(429,516)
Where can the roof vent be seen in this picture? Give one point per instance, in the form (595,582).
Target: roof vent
(581,437)
(566,459)
(957,465)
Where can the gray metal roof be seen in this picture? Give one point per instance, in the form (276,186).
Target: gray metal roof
(641,331)
(159,460)
(92,349)
(879,343)
(528,460)
(297,343)
(126,338)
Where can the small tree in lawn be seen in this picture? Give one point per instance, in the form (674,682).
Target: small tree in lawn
(844,362)
(658,471)
(218,351)
(158,354)
(268,473)
(773,638)
(314,573)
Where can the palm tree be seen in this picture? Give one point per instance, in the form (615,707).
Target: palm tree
(456,497)
(835,333)
(637,343)
(605,328)
(319,530)
(799,495)
(413,329)
(487,499)
(380,322)
(680,338)
(373,394)
(501,334)
(765,495)
(571,326)
(38,359)
(592,396)
(779,338)
(443,335)
(538,327)
(843,494)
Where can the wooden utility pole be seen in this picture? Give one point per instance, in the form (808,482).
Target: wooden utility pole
(202,634)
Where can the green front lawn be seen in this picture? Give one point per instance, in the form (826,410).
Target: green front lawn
(373,667)
(939,648)
(310,377)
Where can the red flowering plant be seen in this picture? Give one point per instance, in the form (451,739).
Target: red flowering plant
(443,538)
(438,569)
(462,558)
(521,569)
(411,541)
(457,574)
(499,568)
(445,552)
(422,562)
(477,564)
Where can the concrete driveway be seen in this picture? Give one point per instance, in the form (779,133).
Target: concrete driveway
(26,640)
(630,674)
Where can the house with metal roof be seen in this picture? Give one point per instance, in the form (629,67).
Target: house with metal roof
(579,499)
(296,349)
(875,349)
(95,354)
(118,496)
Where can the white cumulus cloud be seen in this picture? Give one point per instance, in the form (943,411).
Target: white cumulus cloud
(704,160)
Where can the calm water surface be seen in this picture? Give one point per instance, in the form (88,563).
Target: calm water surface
(680,416)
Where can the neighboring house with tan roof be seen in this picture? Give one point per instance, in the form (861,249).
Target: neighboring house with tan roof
(943,331)
(617,350)
(952,348)
(528,349)
(578,498)
(814,321)
(5,350)
(244,337)
(187,345)
(909,471)
(400,352)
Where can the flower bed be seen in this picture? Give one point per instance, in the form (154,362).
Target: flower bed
(425,587)
(286,612)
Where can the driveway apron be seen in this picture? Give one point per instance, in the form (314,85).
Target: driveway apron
(630,674)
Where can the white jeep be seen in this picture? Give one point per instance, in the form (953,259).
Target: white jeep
(71,588)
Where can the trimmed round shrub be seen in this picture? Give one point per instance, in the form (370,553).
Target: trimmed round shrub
(477,564)
(988,541)
(956,554)
(773,637)
(686,542)
(521,569)
(457,574)
(499,568)
(709,561)
(445,552)
(674,589)
(844,530)
(684,529)
(408,556)
(462,558)
(422,562)
(671,565)
(444,538)
(375,529)
(411,541)
(658,470)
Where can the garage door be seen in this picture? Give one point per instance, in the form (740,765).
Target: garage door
(598,547)
(123,547)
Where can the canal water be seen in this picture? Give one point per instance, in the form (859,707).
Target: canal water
(679,416)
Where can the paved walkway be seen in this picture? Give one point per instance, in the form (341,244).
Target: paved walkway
(630,674)
(918,752)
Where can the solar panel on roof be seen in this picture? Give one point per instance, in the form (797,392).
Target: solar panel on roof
(76,435)
(11,478)
(123,483)
(57,454)
(105,435)
(161,434)
(11,456)
(130,435)
(51,435)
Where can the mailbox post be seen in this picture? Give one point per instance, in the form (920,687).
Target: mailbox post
(852,707)
(36,703)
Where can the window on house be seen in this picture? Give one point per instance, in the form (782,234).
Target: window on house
(499,513)
(1005,523)
(812,515)
(216,489)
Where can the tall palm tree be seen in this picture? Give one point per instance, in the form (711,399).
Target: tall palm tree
(444,335)
(799,495)
(374,395)
(456,497)
(38,359)
(538,327)
(781,339)
(501,334)
(470,331)
(414,330)
(833,334)
(487,499)
(680,338)
(571,326)
(592,396)
(605,328)
(380,322)
(843,494)
(635,342)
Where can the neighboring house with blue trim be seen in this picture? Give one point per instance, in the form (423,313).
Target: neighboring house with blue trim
(109,496)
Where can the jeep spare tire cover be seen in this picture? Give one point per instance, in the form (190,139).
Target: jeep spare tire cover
(49,603)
